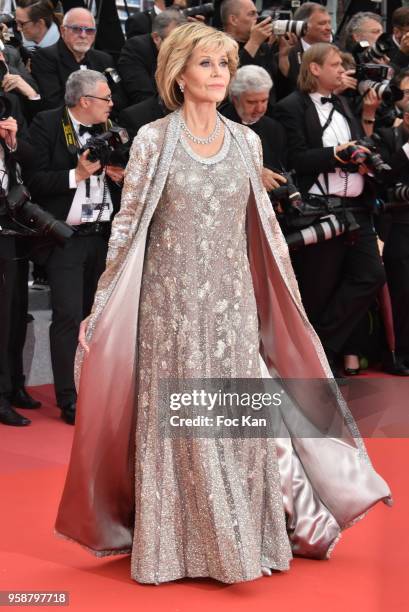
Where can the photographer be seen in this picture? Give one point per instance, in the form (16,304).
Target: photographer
(138,60)
(86,195)
(363,26)
(338,280)
(394,146)
(239,19)
(13,282)
(292,50)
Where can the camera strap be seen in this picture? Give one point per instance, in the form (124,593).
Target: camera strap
(70,134)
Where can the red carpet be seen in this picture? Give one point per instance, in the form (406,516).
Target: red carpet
(367,573)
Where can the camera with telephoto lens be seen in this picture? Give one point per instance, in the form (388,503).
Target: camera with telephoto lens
(355,154)
(109,148)
(365,53)
(281,25)
(310,219)
(374,76)
(33,218)
(205,10)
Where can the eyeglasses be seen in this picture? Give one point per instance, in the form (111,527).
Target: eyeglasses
(81,30)
(107,99)
(21,24)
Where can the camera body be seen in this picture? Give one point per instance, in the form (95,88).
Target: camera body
(355,154)
(365,53)
(109,148)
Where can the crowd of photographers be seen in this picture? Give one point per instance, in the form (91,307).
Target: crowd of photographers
(333,119)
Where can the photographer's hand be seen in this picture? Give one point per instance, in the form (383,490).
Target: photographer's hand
(85,168)
(259,33)
(371,103)
(272,180)
(15,81)
(285,44)
(8,131)
(115,173)
(348,82)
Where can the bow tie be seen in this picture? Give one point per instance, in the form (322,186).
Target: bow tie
(331,99)
(94,130)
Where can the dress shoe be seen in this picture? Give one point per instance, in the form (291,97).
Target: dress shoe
(21,399)
(8,416)
(68,413)
(352,369)
(397,368)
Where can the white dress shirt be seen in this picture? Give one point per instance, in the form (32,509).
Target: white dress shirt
(96,190)
(340,183)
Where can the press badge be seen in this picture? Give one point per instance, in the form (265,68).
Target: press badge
(87,213)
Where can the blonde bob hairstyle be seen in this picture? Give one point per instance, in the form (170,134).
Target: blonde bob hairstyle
(317,54)
(176,50)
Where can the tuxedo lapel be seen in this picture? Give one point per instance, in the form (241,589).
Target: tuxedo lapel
(314,129)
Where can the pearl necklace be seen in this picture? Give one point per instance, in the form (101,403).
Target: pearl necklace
(199,140)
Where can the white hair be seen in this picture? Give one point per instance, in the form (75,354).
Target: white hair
(250,78)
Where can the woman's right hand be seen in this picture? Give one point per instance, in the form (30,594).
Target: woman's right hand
(82,335)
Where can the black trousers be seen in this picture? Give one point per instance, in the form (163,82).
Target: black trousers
(73,274)
(338,282)
(396,260)
(13,313)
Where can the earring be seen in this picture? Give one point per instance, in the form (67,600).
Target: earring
(181,87)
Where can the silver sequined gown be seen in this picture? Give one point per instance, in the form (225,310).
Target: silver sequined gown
(203,507)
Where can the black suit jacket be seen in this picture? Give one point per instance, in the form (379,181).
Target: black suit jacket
(272,136)
(306,152)
(52,66)
(137,115)
(287,84)
(137,66)
(48,178)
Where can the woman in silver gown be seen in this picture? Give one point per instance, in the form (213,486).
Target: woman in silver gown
(197,274)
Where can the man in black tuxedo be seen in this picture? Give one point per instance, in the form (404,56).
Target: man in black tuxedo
(74,189)
(249,94)
(394,147)
(338,281)
(52,65)
(142,21)
(13,286)
(138,60)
